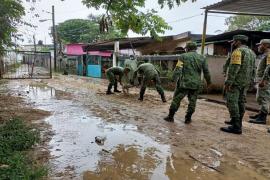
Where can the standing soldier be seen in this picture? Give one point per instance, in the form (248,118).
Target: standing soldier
(263,79)
(149,73)
(240,75)
(189,69)
(111,75)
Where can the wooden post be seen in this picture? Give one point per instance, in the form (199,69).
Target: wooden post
(115,53)
(204,31)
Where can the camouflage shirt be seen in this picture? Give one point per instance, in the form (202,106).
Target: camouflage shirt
(241,71)
(263,67)
(148,70)
(116,71)
(189,69)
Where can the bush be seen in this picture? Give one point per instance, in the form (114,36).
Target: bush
(15,139)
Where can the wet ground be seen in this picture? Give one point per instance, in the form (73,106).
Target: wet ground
(137,143)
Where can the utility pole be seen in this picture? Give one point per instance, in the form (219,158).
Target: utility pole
(54,38)
(35,45)
(115,53)
(35,53)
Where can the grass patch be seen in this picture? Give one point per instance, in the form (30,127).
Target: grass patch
(13,67)
(16,138)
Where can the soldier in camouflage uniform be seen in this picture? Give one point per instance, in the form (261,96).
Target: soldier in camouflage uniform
(149,73)
(241,72)
(188,69)
(263,79)
(111,75)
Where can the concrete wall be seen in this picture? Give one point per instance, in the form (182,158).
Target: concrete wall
(215,64)
(208,50)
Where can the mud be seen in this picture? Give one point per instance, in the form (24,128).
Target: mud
(139,144)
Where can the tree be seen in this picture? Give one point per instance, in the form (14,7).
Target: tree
(84,30)
(125,14)
(259,23)
(11,12)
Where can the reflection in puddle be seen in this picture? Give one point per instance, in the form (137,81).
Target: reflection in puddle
(126,153)
(125,162)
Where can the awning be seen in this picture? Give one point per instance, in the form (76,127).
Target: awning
(238,7)
(249,7)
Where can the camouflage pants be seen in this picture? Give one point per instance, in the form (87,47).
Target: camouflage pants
(157,83)
(112,79)
(263,98)
(236,99)
(179,94)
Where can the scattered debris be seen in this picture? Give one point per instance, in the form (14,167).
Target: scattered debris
(100,140)
(205,164)
(241,162)
(106,151)
(216,152)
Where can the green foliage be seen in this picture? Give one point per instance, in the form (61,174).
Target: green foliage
(84,30)
(14,67)
(127,16)
(259,23)
(15,138)
(11,12)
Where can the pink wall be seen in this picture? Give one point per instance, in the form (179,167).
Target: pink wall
(76,49)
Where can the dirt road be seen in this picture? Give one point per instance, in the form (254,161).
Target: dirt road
(138,143)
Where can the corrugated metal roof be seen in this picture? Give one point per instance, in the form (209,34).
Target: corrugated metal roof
(253,36)
(242,6)
(136,42)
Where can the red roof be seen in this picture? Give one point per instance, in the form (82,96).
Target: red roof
(76,49)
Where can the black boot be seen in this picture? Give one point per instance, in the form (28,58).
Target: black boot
(235,128)
(231,129)
(268,130)
(254,116)
(163,98)
(115,87)
(109,89)
(261,119)
(142,94)
(170,117)
(229,122)
(117,91)
(188,118)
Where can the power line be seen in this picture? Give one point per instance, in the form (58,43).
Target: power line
(186,18)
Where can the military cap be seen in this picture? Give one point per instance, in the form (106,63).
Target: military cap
(264,41)
(127,68)
(191,44)
(239,37)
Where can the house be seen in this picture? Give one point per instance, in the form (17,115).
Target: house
(139,46)
(221,48)
(83,63)
(142,47)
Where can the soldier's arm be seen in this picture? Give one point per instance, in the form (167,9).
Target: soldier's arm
(226,65)
(234,67)
(135,73)
(178,70)
(157,70)
(206,72)
(254,69)
(266,76)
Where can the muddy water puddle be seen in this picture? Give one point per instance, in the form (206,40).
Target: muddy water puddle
(125,153)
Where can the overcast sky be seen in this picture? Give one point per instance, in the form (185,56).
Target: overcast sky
(187,17)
